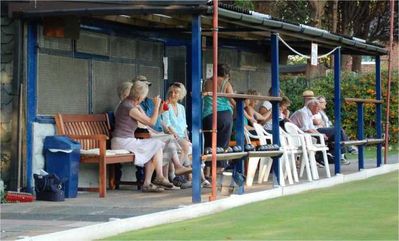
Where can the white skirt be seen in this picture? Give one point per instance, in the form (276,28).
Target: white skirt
(143,149)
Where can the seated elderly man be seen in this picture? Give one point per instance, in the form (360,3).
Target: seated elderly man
(303,118)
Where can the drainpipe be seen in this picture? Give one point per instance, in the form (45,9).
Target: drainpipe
(389,82)
(214,106)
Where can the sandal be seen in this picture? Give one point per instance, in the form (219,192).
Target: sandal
(162,182)
(151,188)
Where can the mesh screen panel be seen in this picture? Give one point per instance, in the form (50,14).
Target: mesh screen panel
(62,85)
(106,78)
(123,48)
(259,80)
(150,51)
(239,80)
(93,43)
(176,64)
(153,74)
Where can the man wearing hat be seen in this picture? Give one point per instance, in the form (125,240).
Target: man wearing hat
(147,105)
(307,95)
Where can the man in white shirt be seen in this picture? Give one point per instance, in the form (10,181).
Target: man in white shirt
(303,118)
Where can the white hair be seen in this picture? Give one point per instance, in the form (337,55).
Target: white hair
(123,88)
(138,90)
(180,87)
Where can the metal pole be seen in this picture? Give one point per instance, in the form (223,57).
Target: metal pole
(360,133)
(239,165)
(31,100)
(378,118)
(214,106)
(196,105)
(275,104)
(337,109)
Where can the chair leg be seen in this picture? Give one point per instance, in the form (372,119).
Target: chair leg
(294,170)
(313,165)
(252,165)
(268,168)
(288,169)
(306,164)
(326,165)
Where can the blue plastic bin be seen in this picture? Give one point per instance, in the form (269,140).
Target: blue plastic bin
(62,155)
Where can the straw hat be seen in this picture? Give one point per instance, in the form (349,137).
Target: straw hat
(308,93)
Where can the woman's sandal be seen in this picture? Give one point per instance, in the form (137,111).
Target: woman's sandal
(162,182)
(151,188)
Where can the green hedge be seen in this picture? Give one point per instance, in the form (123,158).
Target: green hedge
(352,86)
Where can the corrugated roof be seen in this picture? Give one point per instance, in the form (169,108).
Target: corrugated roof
(258,21)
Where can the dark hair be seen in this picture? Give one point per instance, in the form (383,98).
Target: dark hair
(223,70)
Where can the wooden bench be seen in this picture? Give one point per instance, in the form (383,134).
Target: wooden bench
(92,131)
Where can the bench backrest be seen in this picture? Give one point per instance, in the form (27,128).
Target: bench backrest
(77,124)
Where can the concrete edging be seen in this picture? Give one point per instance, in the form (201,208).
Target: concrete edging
(107,229)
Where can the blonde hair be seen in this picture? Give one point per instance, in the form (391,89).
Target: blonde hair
(138,90)
(180,86)
(123,88)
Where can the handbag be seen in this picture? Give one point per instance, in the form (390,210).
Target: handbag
(238,177)
(49,187)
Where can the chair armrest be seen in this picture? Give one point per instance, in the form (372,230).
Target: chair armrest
(319,136)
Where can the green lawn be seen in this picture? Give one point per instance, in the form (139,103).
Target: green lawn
(370,153)
(362,210)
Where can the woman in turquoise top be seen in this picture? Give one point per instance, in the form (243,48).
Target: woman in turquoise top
(224,111)
(174,122)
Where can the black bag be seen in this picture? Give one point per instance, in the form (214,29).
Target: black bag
(49,187)
(238,177)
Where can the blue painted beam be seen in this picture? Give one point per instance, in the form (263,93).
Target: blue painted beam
(337,109)
(31,100)
(378,118)
(275,104)
(196,106)
(239,165)
(360,133)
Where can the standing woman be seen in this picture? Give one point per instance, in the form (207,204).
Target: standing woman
(224,111)
(148,152)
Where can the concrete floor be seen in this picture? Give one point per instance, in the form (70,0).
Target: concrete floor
(20,220)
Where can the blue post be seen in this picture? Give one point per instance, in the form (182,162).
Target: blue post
(239,165)
(275,104)
(337,109)
(378,119)
(360,133)
(31,100)
(196,106)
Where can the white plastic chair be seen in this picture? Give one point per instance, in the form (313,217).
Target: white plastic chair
(284,163)
(291,152)
(311,148)
(265,163)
